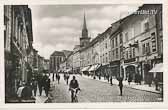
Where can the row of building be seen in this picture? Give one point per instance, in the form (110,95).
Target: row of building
(22,61)
(132,45)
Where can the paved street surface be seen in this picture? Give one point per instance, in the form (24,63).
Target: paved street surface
(97,91)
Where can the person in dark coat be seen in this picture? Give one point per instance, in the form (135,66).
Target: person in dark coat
(111,80)
(53,77)
(67,78)
(108,77)
(47,86)
(120,79)
(34,86)
(27,92)
(130,78)
(58,78)
(40,85)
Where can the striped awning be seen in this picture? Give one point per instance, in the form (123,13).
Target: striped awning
(157,68)
(85,68)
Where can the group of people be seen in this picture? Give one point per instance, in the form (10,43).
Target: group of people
(28,90)
(43,82)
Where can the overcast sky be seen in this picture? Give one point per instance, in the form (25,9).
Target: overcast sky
(58,27)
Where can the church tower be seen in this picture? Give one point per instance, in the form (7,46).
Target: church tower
(84,40)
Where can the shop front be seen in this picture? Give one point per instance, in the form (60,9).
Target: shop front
(93,70)
(131,68)
(85,70)
(114,68)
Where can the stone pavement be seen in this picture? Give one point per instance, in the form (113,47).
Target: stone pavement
(42,98)
(133,85)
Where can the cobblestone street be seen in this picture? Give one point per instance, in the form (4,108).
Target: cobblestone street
(96,91)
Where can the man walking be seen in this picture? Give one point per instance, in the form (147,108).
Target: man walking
(34,86)
(40,85)
(67,79)
(58,78)
(120,79)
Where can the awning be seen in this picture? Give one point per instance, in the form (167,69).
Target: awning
(68,70)
(94,67)
(157,68)
(85,68)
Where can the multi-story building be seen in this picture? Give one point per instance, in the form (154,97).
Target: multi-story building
(116,49)
(40,64)
(46,65)
(140,45)
(76,59)
(18,43)
(56,59)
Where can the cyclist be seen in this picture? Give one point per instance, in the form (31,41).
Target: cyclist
(74,85)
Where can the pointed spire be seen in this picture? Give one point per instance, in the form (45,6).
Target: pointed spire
(84,30)
(84,22)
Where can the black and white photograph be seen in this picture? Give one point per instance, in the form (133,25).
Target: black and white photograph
(83,53)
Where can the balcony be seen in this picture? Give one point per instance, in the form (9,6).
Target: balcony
(130,60)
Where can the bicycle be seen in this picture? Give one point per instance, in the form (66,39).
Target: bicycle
(74,94)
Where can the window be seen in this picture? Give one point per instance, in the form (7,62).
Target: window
(133,52)
(143,49)
(130,52)
(113,54)
(147,48)
(106,45)
(120,38)
(116,41)
(126,54)
(116,53)
(153,39)
(126,37)
(106,57)
(112,43)
(146,26)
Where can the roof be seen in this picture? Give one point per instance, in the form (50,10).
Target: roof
(58,53)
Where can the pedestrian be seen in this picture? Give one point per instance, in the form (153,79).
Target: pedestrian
(64,76)
(107,77)
(58,78)
(34,86)
(26,92)
(47,86)
(129,78)
(53,77)
(139,79)
(156,80)
(111,80)
(40,85)
(67,79)
(120,79)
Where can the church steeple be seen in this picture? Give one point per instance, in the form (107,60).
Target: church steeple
(84,30)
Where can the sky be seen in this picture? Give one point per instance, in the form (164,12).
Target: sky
(59,27)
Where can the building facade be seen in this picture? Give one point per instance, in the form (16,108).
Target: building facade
(140,45)
(18,45)
(56,59)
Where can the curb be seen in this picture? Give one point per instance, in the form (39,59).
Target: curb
(128,86)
